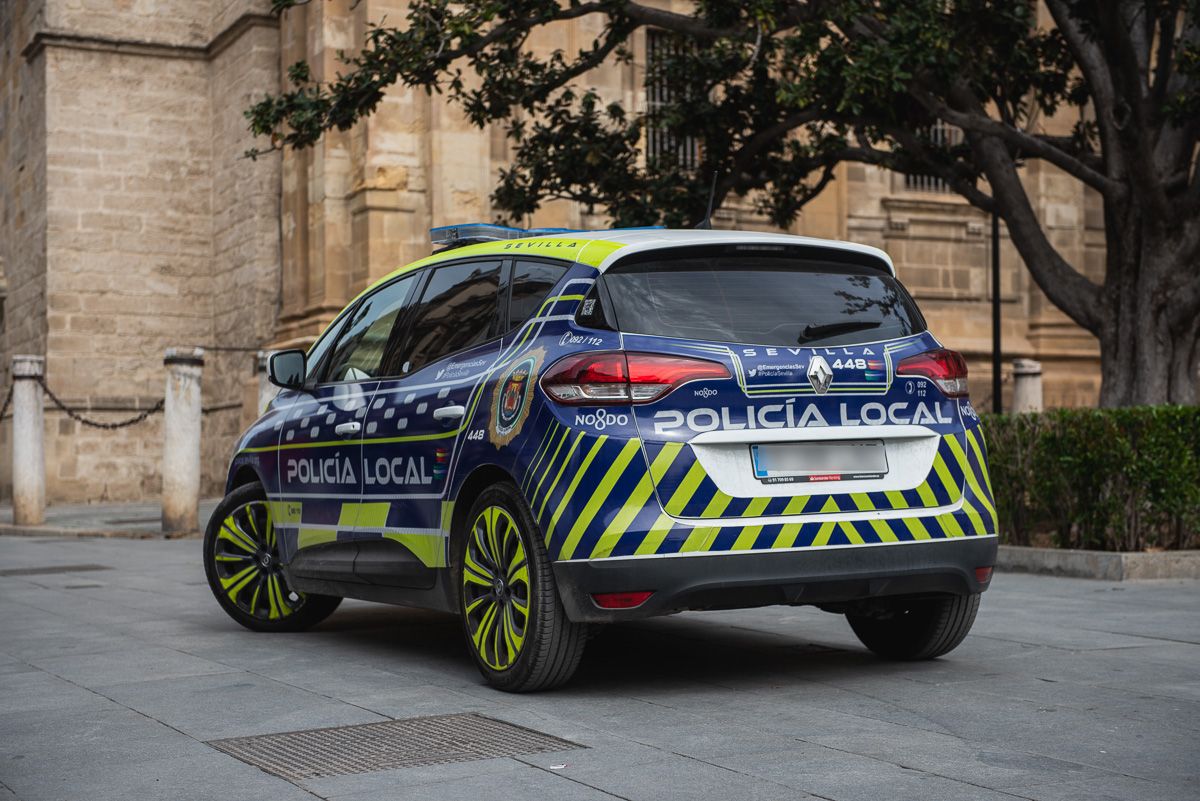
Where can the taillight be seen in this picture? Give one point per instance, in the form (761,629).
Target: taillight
(947,368)
(617,377)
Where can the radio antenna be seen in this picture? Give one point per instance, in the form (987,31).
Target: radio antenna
(706,223)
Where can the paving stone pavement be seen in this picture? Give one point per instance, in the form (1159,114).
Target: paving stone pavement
(112,681)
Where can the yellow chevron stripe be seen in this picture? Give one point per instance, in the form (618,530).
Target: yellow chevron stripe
(701,539)
(917,528)
(599,496)
(796,505)
(655,536)
(717,505)
(987,477)
(786,538)
(550,466)
(972,479)
(975,518)
(587,461)
(745,540)
(542,449)
(630,509)
(953,489)
(660,466)
(686,489)
(851,533)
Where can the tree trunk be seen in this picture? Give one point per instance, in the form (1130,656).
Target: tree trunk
(1144,358)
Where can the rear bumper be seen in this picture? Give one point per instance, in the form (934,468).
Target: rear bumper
(822,575)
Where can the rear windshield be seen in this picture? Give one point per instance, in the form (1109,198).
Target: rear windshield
(787,299)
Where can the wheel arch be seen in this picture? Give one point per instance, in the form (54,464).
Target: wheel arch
(241,476)
(480,479)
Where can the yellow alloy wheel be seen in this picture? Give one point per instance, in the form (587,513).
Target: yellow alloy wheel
(495,588)
(246,559)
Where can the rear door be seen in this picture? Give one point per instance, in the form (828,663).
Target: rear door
(451,339)
(812,419)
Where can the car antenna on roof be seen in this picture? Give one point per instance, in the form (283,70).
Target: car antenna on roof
(706,223)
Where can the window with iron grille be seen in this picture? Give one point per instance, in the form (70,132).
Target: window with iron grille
(940,135)
(661,144)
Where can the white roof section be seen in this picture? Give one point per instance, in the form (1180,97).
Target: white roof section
(638,240)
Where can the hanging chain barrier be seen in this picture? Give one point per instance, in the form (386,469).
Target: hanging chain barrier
(111,426)
(77,417)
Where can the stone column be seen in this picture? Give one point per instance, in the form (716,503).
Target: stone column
(266,390)
(29,457)
(1027,385)
(181,440)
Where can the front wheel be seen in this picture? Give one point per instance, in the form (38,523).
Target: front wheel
(915,628)
(515,624)
(241,561)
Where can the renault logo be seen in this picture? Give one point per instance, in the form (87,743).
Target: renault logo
(819,375)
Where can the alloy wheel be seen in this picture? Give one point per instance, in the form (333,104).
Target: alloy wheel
(496,588)
(246,558)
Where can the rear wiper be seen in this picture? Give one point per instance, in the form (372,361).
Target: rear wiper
(812,332)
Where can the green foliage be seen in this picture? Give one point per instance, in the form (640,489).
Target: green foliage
(775,92)
(1107,479)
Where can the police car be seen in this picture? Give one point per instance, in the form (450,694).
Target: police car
(544,430)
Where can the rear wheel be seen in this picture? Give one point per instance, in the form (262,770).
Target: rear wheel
(915,628)
(241,560)
(515,625)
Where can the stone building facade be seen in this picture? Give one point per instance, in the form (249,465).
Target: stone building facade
(130,222)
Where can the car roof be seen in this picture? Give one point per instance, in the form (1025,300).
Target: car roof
(602,249)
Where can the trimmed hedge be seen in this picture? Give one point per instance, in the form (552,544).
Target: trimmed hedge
(1104,479)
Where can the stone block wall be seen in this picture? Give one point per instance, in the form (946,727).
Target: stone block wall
(156,232)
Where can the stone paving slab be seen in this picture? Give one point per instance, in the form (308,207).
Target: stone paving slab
(112,681)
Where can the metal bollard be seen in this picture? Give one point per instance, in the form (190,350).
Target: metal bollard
(181,440)
(29,457)
(266,390)
(1027,385)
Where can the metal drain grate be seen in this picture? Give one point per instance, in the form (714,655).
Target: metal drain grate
(405,743)
(45,571)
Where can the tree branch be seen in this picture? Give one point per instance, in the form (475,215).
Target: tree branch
(1032,145)
(1100,84)
(1066,287)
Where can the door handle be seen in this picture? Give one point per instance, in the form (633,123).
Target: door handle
(347,429)
(447,413)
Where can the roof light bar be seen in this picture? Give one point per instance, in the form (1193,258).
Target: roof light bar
(453,236)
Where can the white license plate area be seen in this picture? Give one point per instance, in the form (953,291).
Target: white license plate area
(797,462)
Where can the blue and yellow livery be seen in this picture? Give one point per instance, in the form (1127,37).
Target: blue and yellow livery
(546,432)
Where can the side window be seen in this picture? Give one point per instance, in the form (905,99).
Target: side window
(317,352)
(363,345)
(457,310)
(531,283)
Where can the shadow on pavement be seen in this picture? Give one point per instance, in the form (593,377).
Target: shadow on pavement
(689,649)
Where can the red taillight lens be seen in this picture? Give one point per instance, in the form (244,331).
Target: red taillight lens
(947,368)
(620,600)
(983,574)
(617,377)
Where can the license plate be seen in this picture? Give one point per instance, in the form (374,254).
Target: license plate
(794,462)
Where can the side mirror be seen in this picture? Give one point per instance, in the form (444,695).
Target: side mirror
(287,368)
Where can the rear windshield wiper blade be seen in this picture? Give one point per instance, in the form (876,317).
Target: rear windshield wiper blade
(812,332)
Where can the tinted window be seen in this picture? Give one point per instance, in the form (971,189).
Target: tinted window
(362,349)
(531,283)
(761,299)
(323,344)
(458,309)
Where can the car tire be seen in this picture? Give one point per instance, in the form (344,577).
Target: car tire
(241,561)
(522,609)
(911,629)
